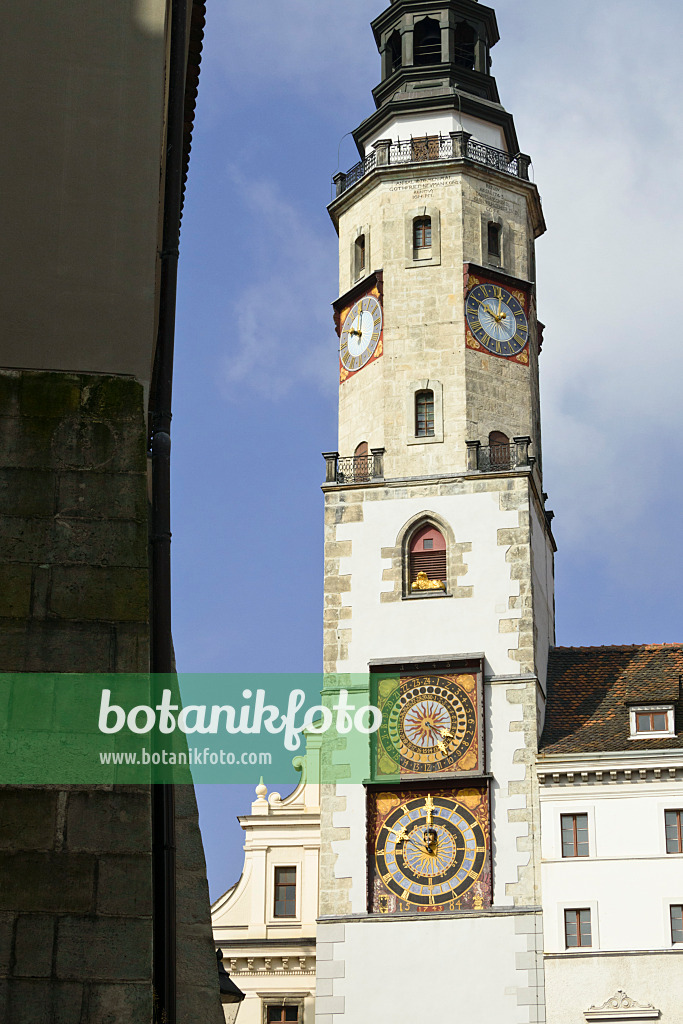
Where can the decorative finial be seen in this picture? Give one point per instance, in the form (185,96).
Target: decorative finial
(261,791)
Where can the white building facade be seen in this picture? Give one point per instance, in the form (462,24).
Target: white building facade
(265,924)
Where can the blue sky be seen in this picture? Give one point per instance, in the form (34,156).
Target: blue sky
(593,88)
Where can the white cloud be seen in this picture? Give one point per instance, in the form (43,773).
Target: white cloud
(281,324)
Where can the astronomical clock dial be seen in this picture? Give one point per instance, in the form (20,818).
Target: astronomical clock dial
(430,851)
(497,320)
(430,724)
(360,333)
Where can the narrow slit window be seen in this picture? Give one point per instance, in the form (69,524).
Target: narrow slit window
(577,929)
(360,255)
(676,912)
(574,835)
(673,822)
(285,892)
(424,413)
(427,560)
(494,240)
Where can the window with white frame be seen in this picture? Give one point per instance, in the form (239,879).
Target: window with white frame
(652,721)
(676,914)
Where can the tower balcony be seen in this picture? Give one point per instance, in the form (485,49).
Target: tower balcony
(354,469)
(494,458)
(454,146)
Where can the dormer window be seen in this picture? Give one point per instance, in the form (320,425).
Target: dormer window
(652,721)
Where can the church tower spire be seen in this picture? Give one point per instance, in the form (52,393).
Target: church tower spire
(438,547)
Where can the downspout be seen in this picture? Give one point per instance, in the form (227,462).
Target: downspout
(162,658)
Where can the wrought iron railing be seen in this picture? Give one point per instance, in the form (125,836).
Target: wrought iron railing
(495,458)
(455,146)
(354,469)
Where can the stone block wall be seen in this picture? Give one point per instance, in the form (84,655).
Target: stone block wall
(76,862)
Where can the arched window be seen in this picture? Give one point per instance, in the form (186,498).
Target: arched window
(424,413)
(422,238)
(361,462)
(494,234)
(499,450)
(465,39)
(395,50)
(359,256)
(426,560)
(427,42)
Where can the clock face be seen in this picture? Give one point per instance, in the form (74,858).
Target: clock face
(429,724)
(360,333)
(432,725)
(497,320)
(430,851)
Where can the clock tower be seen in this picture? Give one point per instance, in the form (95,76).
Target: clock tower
(438,548)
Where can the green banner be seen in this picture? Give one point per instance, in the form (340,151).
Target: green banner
(93,729)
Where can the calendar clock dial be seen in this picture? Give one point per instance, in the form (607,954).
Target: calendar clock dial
(430,851)
(430,724)
(360,333)
(497,320)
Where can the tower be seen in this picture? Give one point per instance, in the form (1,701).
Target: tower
(438,547)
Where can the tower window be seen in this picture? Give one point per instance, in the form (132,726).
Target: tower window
(360,255)
(464,43)
(499,450)
(361,462)
(494,234)
(427,42)
(395,50)
(673,822)
(285,892)
(422,233)
(427,560)
(577,928)
(424,414)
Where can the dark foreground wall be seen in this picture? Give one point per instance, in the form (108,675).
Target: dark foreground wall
(75,862)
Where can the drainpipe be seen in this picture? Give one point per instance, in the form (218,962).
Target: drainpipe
(162,659)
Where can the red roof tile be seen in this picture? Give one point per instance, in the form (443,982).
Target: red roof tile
(590,688)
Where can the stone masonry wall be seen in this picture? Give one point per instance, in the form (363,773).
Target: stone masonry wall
(75,862)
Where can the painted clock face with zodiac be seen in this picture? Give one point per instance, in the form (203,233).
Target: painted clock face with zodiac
(360,333)
(430,851)
(430,722)
(497,320)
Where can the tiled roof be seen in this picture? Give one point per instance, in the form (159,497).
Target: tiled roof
(589,689)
